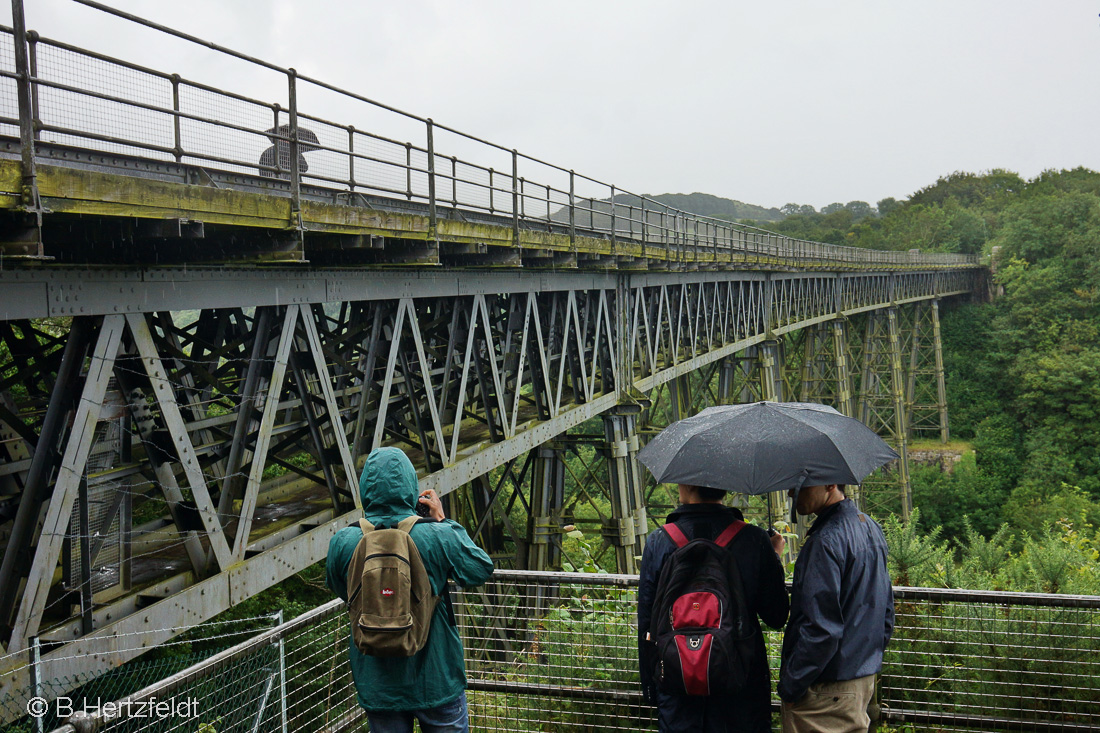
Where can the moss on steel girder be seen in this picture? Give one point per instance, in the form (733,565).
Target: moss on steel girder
(110,195)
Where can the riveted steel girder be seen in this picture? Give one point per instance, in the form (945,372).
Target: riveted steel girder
(251,397)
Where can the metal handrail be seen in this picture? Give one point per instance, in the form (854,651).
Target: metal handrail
(637,219)
(333,612)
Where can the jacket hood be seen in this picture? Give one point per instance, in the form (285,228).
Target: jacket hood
(388,485)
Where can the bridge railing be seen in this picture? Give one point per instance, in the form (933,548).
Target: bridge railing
(86,100)
(546,650)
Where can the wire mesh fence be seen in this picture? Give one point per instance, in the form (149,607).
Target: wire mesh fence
(553,651)
(55,692)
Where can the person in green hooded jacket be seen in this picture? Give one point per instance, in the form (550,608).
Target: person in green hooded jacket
(429,686)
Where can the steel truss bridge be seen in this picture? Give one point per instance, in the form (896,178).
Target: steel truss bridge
(201,340)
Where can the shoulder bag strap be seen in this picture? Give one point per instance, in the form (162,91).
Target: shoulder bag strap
(729,533)
(676,534)
(406,524)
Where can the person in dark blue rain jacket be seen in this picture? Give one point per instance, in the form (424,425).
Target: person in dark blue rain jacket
(701,514)
(842,617)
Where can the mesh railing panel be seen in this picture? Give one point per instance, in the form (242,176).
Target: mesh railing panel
(68,692)
(92,101)
(551,650)
(961,664)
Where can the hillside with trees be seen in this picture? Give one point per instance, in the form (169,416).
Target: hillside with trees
(1023,371)
(597,212)
(704,204)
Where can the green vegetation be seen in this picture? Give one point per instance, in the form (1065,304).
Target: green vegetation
(1023,371)
(1023,376)
(1019,511)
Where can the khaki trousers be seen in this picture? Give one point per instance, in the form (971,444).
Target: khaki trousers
(831,707)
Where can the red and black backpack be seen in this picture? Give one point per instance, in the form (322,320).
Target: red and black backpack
(701,624)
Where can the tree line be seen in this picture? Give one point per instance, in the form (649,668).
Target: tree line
(1023,373)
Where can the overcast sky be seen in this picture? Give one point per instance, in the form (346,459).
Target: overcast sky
(765,102)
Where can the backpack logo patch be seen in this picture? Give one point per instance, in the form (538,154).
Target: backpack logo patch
(387,591)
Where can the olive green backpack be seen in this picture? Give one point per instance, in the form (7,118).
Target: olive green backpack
(390,599)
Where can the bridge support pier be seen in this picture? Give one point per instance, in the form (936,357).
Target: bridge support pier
(845,395)
(882,403)
(626,529)
(771,389)
(926,391)
(547,501)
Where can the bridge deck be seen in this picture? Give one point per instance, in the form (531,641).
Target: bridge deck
(107,209)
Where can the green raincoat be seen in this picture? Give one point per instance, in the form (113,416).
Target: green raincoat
(436,674)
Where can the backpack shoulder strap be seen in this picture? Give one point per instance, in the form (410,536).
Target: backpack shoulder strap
(365,526)
(729,533)
(676,534)
(405,525)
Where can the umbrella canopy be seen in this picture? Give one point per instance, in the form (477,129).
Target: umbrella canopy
(307,139)
(765,446)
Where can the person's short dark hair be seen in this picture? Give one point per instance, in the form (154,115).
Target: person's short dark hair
(706,493)
(843,488)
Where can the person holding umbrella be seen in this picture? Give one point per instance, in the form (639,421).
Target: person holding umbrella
(701,514)
(278,156)
(841,613)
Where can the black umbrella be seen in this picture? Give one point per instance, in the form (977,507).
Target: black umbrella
(278,155)
(765,446)
(307,139)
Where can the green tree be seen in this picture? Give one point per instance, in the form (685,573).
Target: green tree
(859,209)
(887,206)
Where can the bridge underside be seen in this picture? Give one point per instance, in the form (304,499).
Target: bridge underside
(177,440)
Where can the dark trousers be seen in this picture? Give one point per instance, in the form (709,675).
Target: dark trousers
(715,714)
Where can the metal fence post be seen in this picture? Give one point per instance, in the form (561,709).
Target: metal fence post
(32,50)
(29,188)
(295,154)
(572,214)
(408,171)
(515,197)
(351,157)
(36,680)
(282,674)
(613,242)
(431,181)
(177,140)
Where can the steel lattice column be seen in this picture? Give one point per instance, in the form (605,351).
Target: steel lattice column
(941,381)
(882,395)
(749,376)
(679,390)
(819,367)
(845,394)
(727,378)
(547,499)
(926,393)
(771,388)
(625,530)
(826,377)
